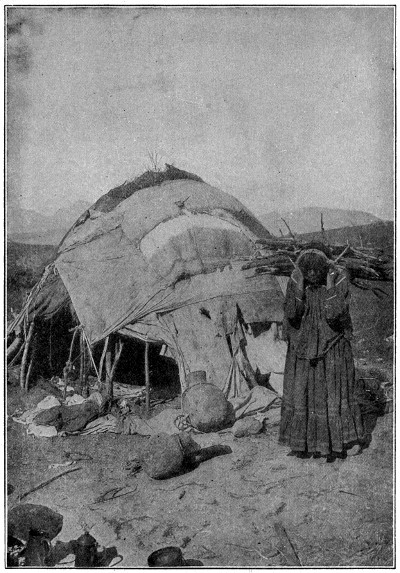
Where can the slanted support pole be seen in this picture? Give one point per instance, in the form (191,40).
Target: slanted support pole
(82,364)
(147,376)
(14,360)
(103,356)
(110,370)
(31,362)
(14,348)
(109,386)
(25,356)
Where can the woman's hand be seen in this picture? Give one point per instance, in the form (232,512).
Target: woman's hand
(330,278)
(298,278)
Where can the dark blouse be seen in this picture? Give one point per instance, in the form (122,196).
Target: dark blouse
(317,317)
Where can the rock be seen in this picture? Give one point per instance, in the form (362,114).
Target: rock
(22,518)
(247,427)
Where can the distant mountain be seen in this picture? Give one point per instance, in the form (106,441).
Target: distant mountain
(308,219)
(379,235)
(31,227)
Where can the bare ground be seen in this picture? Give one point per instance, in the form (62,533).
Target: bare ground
(222,512)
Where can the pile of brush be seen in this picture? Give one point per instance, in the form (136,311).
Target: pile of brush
(277,256)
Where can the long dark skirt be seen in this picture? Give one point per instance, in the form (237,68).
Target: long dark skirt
(319,410)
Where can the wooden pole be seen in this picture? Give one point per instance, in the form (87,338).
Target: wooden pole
(147,376)
(14,348)
(323,229)
(76,330)
(108,373)
(14,360)
(25,356)
(82,363)
(111,368)
(33,354)
(103,355)
(117,355)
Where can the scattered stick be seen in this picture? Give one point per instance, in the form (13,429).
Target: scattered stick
(113,493)
(210,553)
(266,557)
(347,247)
(289,229)
(273,484)
(286,546)
(185,485)
(47,482)
(237,496)
(349,493)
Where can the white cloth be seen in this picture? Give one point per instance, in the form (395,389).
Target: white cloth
(29,415)
(42,431)
(258,399)
(276,382)
(128,390)
(102,425)
(266,351)
(74,399)
(165,422)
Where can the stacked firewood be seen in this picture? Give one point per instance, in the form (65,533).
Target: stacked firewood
(277,256)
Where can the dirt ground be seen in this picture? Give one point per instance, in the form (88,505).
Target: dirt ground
(223,512)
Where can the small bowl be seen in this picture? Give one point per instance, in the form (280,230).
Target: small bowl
(171,557)
(166,557)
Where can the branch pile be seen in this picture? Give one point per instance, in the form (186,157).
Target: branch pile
(277,256)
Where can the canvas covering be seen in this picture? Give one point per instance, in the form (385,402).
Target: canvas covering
(164,264)
(151,255)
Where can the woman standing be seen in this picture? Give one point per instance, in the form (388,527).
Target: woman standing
(319,413)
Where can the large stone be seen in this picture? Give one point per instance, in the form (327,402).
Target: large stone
(247,427)
(25,517)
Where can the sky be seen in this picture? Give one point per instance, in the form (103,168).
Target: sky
(284,107)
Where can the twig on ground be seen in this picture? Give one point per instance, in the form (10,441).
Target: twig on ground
(273,484)
(286,546)
(237,496)
(47,482)
(113,493)
(203,486)
(210,553)
(253,551)
(349,493)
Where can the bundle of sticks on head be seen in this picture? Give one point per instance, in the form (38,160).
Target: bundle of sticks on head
(277,256)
